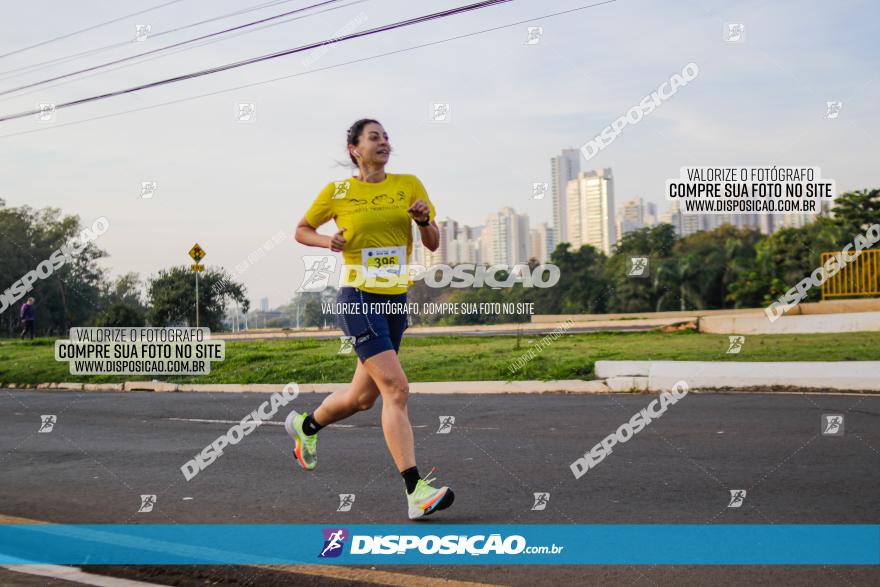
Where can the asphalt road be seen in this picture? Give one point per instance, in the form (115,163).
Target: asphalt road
(106,449)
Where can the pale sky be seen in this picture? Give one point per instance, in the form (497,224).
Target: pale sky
(231,186)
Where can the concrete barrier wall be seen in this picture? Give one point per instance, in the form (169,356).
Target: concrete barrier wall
(803,324)
(827,307)
(841,306)
(662,375)
(686,314)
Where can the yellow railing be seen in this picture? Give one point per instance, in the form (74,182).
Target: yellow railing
(860,277)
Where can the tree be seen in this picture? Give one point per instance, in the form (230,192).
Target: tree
(582,287)
(121,315)
(71,294)
(781,260)
(312,315)
(122,304)
(854,212)
(711,261)
(637,294)
(172,299)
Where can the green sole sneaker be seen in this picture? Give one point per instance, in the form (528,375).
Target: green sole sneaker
(425,499)
(305,447)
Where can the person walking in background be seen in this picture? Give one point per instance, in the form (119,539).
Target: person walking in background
(27,318)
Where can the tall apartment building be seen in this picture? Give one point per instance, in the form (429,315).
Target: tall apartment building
(506,237)
(446,250)
(458,244)
(418,250)
(563,168)
(541,242)
(635,214)
(466,247)
(590,210)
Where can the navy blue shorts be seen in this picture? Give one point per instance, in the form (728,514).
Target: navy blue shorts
(367,318)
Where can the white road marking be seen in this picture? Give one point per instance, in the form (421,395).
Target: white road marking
(239,422)
(208,421)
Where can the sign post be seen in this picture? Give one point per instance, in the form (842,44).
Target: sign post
(197,253)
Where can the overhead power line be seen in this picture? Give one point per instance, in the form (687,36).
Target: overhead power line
(303,73)
(87,29)
(191,47)
(167,47)
(267,57)
(25,69)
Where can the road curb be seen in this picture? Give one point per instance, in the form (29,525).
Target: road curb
(428,387)
(617,377)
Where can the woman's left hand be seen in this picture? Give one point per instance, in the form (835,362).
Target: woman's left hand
(419,211)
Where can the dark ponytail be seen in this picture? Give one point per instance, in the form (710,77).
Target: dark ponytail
(354,134)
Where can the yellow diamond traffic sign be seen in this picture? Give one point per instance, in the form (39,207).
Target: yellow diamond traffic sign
(197,253)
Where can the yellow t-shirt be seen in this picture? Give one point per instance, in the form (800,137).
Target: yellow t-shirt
(378,236)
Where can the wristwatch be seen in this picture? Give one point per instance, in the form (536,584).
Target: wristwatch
(423,223)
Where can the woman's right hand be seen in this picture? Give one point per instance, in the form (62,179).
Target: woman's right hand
(337,241)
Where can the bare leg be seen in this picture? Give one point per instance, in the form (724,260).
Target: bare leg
(361,395)
(388,375)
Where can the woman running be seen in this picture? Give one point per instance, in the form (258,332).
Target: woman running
(373,214)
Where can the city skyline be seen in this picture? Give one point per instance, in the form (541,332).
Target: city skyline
(230,184)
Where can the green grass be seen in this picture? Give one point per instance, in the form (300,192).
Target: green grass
(460,358)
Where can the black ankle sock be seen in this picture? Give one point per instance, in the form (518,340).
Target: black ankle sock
(311,427)
(411,478)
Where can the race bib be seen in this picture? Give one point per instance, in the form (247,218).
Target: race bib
(384,261)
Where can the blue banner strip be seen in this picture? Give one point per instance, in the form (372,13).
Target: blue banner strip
(523,544)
